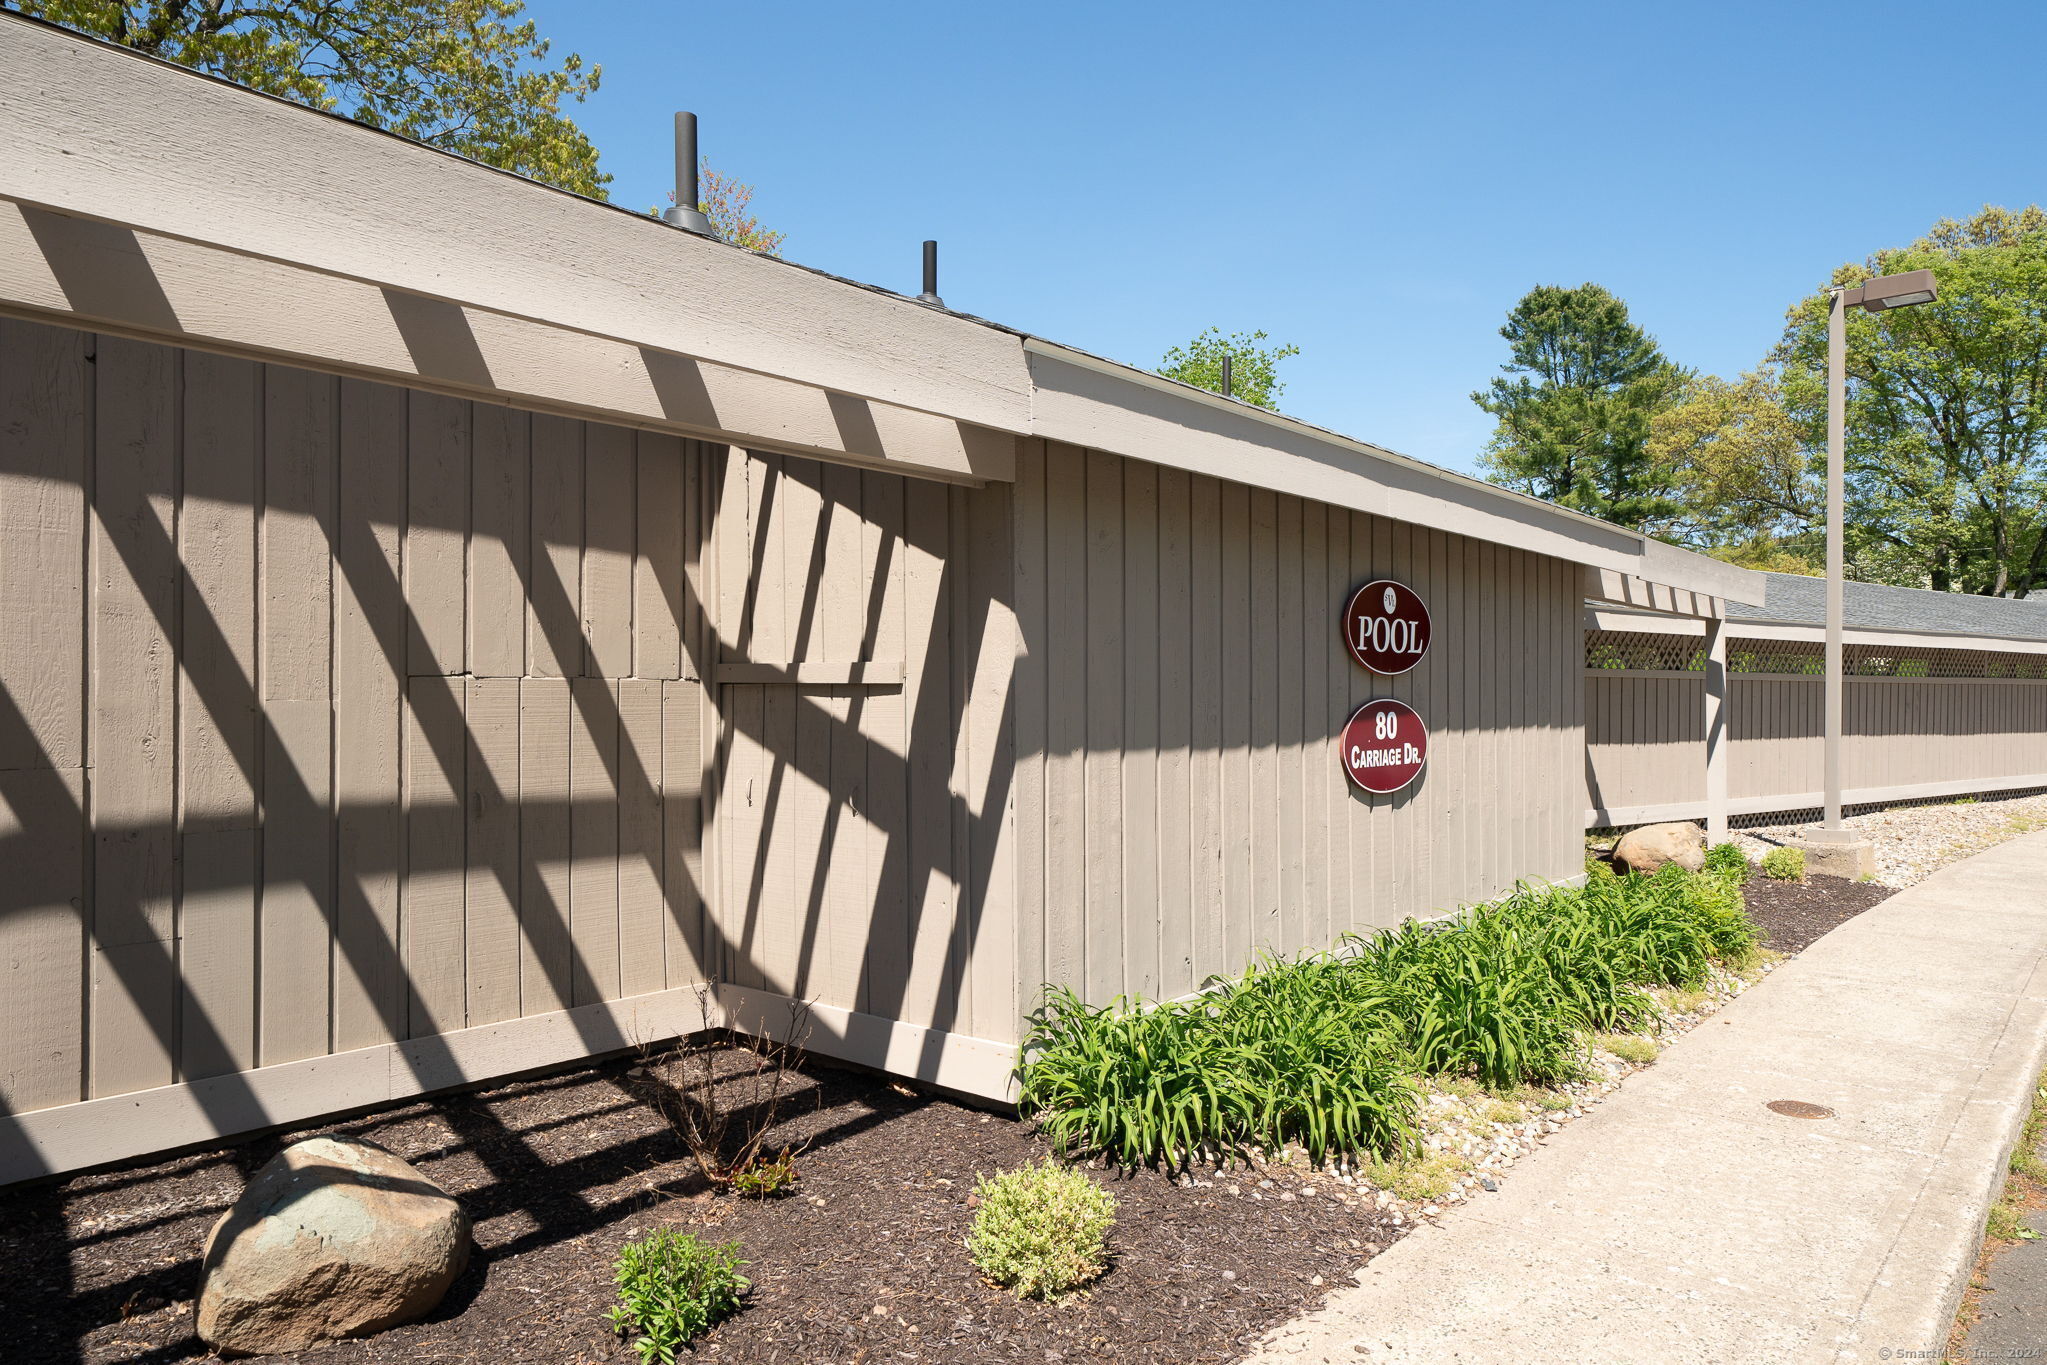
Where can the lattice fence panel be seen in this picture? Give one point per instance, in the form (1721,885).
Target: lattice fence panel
(1639,652)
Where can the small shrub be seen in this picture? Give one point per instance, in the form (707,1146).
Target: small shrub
(672,1288)
(1598,867)
(1729,861)
(722,1098)
(1785,864)
(1629,1047)
(766,1177)
(1041,1230)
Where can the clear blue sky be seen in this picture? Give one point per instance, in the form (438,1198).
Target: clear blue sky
(1375,183)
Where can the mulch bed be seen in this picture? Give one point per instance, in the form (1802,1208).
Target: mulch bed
(1794,915)
(557,1172)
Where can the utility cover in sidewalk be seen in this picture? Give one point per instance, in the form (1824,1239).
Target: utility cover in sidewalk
(1799,1109)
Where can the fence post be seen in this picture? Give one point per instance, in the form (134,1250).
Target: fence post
(1716,729)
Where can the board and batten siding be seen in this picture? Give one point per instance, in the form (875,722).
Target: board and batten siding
(333,716)
(1180,689)
(1901,736)
(865,640)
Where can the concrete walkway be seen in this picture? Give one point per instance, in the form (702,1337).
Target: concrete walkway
(1683,1221)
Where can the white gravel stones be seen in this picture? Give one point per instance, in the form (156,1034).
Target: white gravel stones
(1912,842)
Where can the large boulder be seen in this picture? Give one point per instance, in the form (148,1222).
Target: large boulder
(1651,846)
(334,1238)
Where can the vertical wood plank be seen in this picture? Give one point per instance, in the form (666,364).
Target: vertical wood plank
(888,785)
(1263,811)
(219,735)
(437,533)
(554,621)
(1205,726)
(1104,742)
(641,921)
(434,954)
(609,479)
(1177,849)
(682,773)
(300,427)
(933,881)
(544,846)
(1315,729)
(1066,565)
(1140,816)
(593,838)
(1240,908)
(1289,926)
(501,523)
(843,596)
(658,558)
(370,632)
(46,456)
(45,399)
(131,690)
(492,876)
(997,993)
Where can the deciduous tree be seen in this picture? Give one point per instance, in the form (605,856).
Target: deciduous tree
(1254,365)
(1947,407)
(465,75)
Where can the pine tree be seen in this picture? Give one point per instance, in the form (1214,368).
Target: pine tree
(1575,403)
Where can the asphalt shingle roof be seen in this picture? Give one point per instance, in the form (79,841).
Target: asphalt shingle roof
(1795,599)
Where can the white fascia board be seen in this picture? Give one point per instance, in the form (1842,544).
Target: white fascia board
(98,131)
(106,277)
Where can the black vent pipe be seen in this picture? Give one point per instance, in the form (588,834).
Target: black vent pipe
(686,213)
(930,294)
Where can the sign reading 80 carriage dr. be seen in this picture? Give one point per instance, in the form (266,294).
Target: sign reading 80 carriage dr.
(1385,746)
(1386,626)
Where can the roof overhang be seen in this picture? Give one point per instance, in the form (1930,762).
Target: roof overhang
(1600,617)
(141,198)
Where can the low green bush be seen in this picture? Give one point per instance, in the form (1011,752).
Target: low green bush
(1729,861)
(1041,1230)
(672,1288)
(767,1176)
(1785,864)
(1320,1049)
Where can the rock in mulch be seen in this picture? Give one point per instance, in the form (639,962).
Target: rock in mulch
(1651,846)
(334,1238)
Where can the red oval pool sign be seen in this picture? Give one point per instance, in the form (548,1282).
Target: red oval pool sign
(1386,626)
(1385,745)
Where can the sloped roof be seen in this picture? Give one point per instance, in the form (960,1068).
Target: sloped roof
(1795,599)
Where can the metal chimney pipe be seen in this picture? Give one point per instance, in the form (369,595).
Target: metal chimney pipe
(1229,386)
(686,214)
(930,294)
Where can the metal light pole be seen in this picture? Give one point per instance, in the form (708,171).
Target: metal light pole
(1883,292)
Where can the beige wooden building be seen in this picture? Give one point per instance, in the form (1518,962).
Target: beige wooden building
(445,621)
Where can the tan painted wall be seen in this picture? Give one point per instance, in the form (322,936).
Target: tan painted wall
(1179,803)
(1901,737)
(331,716)
(860,824)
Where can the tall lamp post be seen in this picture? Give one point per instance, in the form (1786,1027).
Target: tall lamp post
(1874,296)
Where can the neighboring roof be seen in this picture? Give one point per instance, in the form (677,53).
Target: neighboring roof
(1795,599)
(388,257)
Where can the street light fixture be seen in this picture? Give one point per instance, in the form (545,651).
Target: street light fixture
(1875,296)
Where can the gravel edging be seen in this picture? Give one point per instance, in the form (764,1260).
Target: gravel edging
(1913,842)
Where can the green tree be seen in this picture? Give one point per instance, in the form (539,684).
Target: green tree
(464,75)
(1575,403)
(1745,485)
(1947,408)
(1254,366)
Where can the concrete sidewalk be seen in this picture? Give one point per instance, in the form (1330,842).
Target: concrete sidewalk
(1683,1221)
